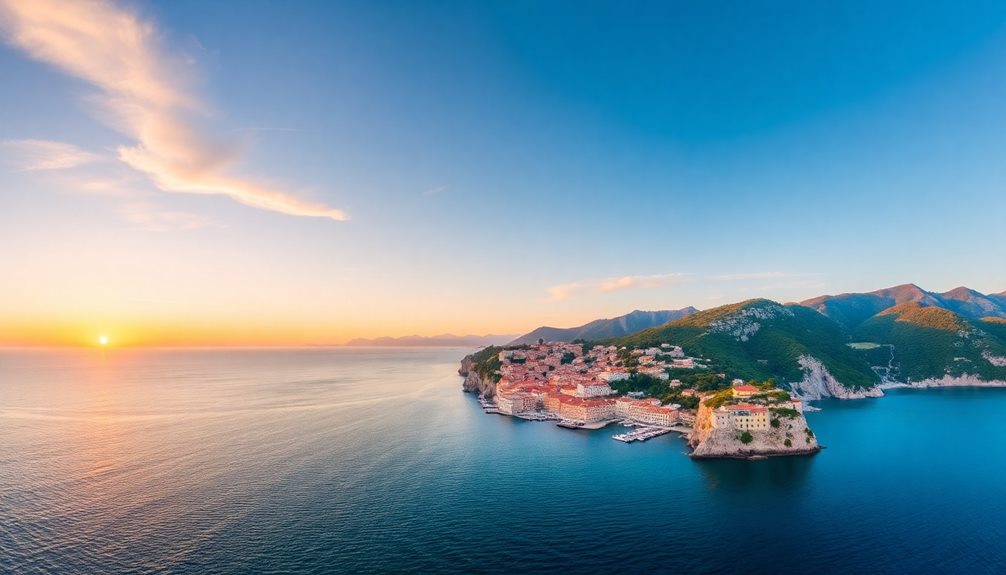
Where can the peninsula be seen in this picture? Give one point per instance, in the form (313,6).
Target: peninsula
(657,390)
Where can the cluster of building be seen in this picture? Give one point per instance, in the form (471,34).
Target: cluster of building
(749,413)
(559,379)
(565,381)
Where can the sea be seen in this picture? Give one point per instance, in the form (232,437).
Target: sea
(366,460)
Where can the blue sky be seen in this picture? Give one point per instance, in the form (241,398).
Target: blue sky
(501,165)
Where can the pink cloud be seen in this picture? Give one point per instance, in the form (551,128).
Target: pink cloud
(146,94)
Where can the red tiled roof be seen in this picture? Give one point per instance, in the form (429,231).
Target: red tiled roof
(747,407)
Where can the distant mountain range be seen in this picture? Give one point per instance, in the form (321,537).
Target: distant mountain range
(627,324)
(852,309)
(846,344)
(443,340)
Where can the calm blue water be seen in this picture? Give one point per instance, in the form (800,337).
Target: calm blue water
(355,461)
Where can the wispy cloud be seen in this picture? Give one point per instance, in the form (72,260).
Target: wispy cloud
(145,93)
(37,155)
(613,284)
(435,191)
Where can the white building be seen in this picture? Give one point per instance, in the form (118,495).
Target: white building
(610,376)
(592,389)
(657,372)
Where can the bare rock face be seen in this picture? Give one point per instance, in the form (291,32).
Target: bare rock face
(707,441)
(996,360)
(473,381)
(466,366)
(745,323)
(819,383)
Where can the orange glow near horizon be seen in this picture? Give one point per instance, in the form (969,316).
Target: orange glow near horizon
(201,334)
(184,318)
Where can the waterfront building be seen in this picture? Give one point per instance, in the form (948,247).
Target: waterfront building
(586,410)
(524,402)
(551,402)
(505,404)
(623,406)
(655,415)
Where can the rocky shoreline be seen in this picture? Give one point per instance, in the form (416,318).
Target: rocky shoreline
(946,381)
(709,442)
(819,383)
(757,456)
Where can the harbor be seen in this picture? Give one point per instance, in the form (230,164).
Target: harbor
(536,416)
(643,433)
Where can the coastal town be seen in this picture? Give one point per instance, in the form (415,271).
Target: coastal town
(582,386)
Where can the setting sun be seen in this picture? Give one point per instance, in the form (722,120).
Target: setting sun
(103,340)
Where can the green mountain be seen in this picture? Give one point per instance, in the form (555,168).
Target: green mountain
(758,339)
(930,342)
(606,328)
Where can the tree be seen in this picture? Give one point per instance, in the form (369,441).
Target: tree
(746,437)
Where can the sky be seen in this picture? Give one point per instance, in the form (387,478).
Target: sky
(302,173)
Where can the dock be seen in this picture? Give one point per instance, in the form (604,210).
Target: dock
(643,433)
(489,407)
(535,416)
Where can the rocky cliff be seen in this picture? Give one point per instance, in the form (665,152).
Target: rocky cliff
(707,441)
(819,383)
(485,387)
